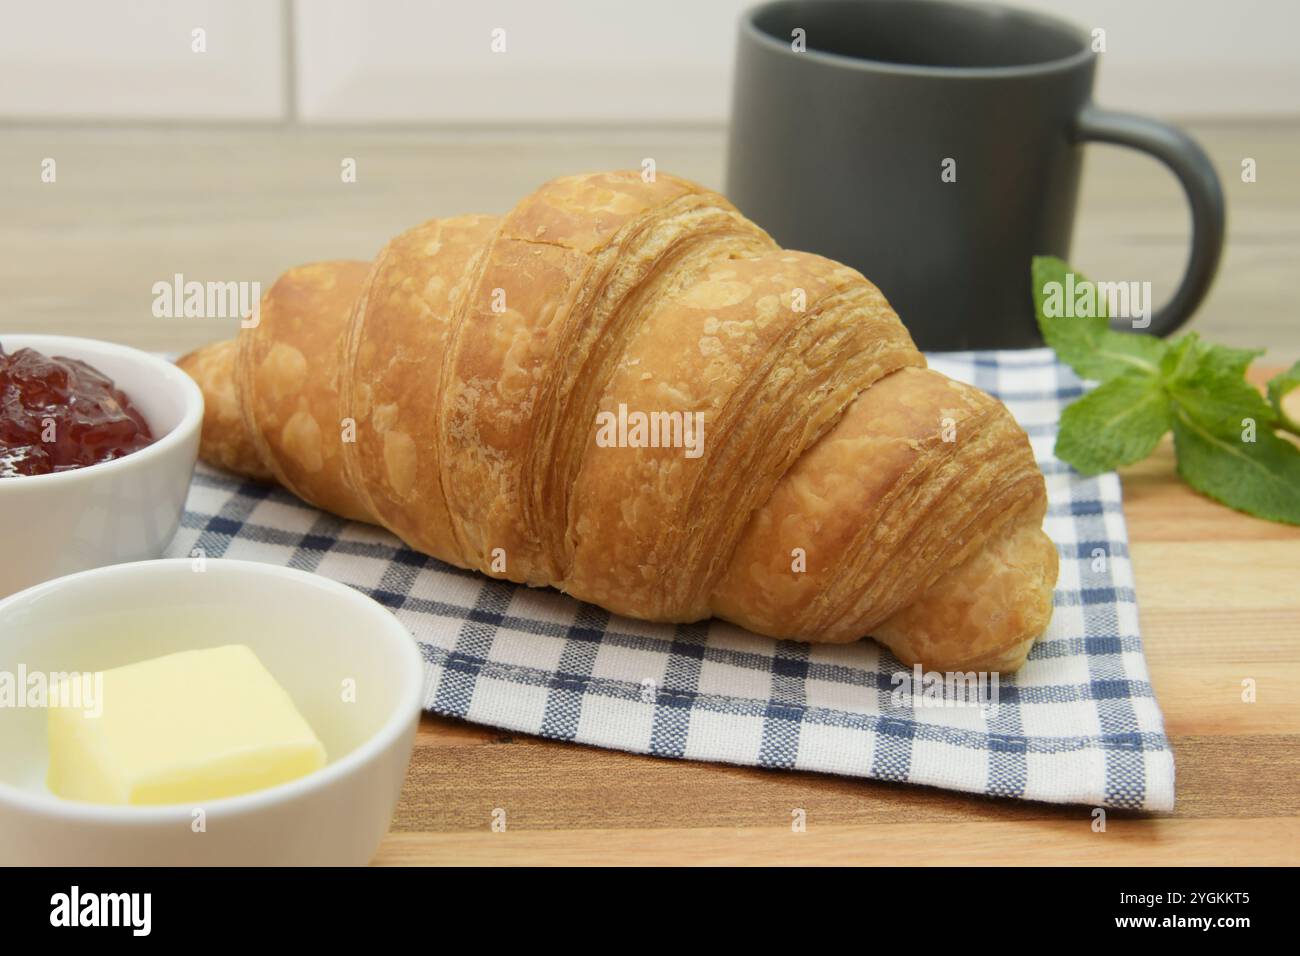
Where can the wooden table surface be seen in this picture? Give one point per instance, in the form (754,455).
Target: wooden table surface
(1218,592)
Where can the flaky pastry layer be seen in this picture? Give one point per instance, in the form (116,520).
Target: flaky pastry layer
(450,391)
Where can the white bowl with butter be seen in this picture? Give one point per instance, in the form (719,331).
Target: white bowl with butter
(350,668)
(115,511)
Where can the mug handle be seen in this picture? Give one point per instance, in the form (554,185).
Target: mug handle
(1188,162)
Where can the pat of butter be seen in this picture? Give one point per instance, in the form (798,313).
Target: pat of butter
(184,728)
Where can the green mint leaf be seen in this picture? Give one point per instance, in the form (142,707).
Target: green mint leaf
(1181,359)
(1072,319)
(1207,382)
(1223,431)
(1128,352)
(1260,477)
(1189,355)
(1228,361)
(1279,387)
(1072,336)
(1117,423)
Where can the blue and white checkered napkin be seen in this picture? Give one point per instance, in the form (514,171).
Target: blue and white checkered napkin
(1077,724)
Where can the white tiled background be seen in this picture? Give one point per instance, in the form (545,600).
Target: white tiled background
(566,61)
(132,59)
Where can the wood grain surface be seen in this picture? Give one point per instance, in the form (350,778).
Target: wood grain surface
(1217,591)
(131,207)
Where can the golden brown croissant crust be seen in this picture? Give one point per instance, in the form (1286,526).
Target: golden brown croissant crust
(456,391)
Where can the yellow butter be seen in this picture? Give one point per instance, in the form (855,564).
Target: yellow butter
(184,728)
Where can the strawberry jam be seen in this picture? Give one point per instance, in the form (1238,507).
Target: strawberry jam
(58,413)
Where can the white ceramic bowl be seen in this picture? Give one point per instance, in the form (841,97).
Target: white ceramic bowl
(123,510)
(310,632)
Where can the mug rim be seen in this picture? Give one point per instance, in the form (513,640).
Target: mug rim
(866,64)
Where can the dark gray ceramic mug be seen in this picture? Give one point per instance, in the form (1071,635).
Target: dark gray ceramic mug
(840,149)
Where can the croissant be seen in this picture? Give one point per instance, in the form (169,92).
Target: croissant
(626,390)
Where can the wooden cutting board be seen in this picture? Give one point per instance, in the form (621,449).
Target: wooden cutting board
(1219,599)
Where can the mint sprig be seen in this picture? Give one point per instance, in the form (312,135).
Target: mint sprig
(1224,429)
(1279,386)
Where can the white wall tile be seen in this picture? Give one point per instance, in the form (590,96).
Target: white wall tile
(565,60)
(109,59)
(628,61)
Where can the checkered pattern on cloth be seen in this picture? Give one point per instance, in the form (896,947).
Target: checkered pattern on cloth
(1078,723)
